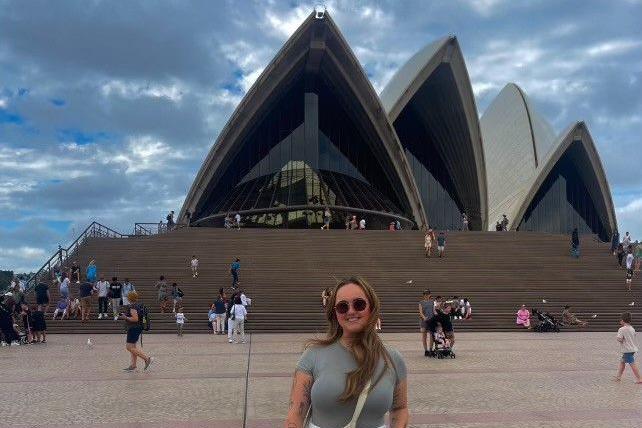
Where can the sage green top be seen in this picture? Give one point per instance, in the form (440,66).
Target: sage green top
(329,367)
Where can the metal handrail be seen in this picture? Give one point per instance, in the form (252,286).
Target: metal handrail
(94,230)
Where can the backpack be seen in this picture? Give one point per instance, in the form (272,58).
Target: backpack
(143,317)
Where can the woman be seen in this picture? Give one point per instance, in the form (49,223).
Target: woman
(569,318)
(575,243)
(219,308)
(524,317)
(134,329)
(428,240)
(620,254)
(638,256)
(128,287)
(64,287)
(240,313)
(350,375)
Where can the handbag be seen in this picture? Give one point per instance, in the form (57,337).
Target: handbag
(361,401)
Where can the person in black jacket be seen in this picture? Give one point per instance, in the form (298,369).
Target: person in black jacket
(575,243)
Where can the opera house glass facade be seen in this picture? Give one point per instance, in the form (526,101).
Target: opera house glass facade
(312,134)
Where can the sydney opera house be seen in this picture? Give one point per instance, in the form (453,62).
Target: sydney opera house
(312,134)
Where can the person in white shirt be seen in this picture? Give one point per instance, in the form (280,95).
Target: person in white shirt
(194,265)
(101,288)
(629,268)
(628,347)
(237,217)
(128,287)
(180,321)
(626,241)
(245,301)
(238,325)
(362,224)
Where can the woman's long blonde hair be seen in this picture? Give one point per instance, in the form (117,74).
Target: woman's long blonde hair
(367,348)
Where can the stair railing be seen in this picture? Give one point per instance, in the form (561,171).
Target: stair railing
(94,230)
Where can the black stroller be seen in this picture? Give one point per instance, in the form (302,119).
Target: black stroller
(547,322)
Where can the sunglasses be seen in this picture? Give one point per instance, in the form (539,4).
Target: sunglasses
(358,304)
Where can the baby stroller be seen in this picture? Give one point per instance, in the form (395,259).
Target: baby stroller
(547,322)
(442,346)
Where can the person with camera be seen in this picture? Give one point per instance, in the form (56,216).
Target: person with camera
(134,322)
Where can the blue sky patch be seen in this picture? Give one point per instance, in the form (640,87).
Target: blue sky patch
(57,102)
(6,117)
(81,137)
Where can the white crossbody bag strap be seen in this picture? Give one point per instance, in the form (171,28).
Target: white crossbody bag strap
(361,401)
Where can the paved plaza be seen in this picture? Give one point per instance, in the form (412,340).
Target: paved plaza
(498,379)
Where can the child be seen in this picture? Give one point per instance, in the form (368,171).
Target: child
(180,321)
(61,308)
(39,325)
(74,309)
(626,337)
(194,265)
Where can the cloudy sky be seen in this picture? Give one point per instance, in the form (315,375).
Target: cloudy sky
(107,109)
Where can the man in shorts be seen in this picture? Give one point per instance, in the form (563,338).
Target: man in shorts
(426,312)
(441,244)
(42,296)
(442,317)
(629,267)
(86,289)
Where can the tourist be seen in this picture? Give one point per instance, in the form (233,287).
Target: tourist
(161,286)
(74,272)
(464,222)
(128,287)
(64,287)
(569,318)
(629,267)
(194,265)
(575,243)
(134,321)
(620,254)
(177,297)
(504,223)
(115,292)
(626,241)
(180,320)
(237,218)
(39,325)
(234,271)
(74,310)
(638,256)
(353,223)
(9,333)
(170,221)
(211,318)
(362,224)
(102,290)
(91,271)
(25,314)
(57,273)
(219,308)
(429,238)
(85,293)
(441,244)
(42,296)
(397,225)
(628,347)
(227,223)
(245,301)
(345,364)
(498,227)
(61,308)
(348,221)
(326,219)
(468,314)
(615,240)
(391,226)
(426,312)
(229,316)
(442,316)
(239,315)
(325,295)
(524,317)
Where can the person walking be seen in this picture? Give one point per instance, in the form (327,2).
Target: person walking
(628,347)
(86,289)
(170,221)
(464,222)
(575,243)
(237,219)
(180,321)
(620,254)
(115,293)
(102,289)
(219,309)
(177,297)
(64,287)
(326,219)
(235,267)
(426,312)
(211,318)
(629,267)
(194,266)
(161,286)
(134,321)
(362,224)
(74,272)
(615,240)
(92,271)
(128,287)
(626,241)
(441,244)
(229,316)
(504,223)
(429,239)
(349,376)
(240,314)
(353,223)
(638,256)
(42,296)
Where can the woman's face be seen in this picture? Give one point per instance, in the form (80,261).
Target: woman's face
(353,321)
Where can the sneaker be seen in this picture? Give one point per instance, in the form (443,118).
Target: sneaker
(15,343)
(115,318)
(426,353)
(100,316)
(229,340)
(243,341)
(129,369)
(148,363)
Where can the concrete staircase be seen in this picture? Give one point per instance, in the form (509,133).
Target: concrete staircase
(284,272)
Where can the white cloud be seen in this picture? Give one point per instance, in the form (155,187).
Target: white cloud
(21,259)
(144,153)
(3,103)
(285,24)
(613,47)
(484,7)
(173,92)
